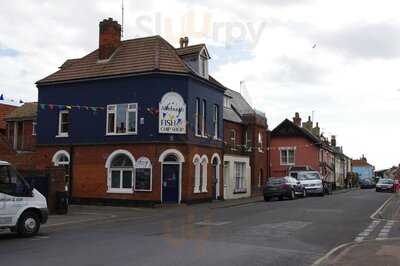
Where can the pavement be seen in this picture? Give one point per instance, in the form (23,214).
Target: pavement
(378,244)
(242,232)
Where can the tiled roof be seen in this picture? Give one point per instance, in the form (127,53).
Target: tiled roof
(133,56)
(298,131)
(5,110)
(232,116)
(239,102)
(360,163)
(192,49)
(26,111)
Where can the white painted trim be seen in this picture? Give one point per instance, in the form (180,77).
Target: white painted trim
(181,158)
(116,152)
(63,134)
(57,154)
(217,173)
(151,175)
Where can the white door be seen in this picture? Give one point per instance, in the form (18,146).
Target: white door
(226,178)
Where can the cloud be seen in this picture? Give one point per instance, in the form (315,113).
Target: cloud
(364,41)
(295,70)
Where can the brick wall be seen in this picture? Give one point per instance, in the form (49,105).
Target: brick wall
(89,175)
(304,156)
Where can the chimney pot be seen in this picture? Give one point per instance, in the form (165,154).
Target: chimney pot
(297,119)
(109,38)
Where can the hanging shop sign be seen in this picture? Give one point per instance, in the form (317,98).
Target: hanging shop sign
(172,114)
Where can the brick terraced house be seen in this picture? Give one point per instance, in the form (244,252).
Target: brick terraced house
(21,128)
(245,153)
(296,144)
(137,122)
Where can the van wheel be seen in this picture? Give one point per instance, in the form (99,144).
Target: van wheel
(266,198)
(292,195)
(28,224)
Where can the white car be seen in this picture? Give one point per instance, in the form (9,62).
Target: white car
(22,208)
(311,180)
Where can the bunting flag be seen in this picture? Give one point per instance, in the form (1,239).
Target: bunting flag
(50,106)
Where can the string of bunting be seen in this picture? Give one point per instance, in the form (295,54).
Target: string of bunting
(70,107)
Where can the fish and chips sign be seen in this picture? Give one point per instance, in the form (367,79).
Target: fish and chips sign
(172,114)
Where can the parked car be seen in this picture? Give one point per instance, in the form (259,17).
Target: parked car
(22,208)
(312,182)
(385,184)
(366,183)
(283,187)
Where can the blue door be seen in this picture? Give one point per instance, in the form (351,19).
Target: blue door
(171,183)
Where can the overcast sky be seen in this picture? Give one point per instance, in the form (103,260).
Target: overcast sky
(338,58)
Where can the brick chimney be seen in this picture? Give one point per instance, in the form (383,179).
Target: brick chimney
(297,119)
(333,140)
(317,130)
(308,125)
(109,39)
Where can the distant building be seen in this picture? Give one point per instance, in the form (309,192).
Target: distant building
(296,144)
(5,109)
(21,127)
(245,149)
(363,168)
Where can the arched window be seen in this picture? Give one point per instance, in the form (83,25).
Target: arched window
(197,173)
(143,176)
(120,173)
(203,173)
(61,158)
(200,173)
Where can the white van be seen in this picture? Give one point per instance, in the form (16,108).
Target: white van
(311,180)
(22,208)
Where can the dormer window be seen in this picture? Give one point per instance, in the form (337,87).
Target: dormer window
(227,102)
(203,63)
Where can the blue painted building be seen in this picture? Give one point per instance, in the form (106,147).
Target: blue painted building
(135,121)
(363,169)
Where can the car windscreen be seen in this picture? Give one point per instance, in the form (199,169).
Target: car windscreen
(276,181)
(385,181)
(308,176)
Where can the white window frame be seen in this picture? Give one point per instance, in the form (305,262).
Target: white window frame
(132,107)
(287,149)
(63,134)
(233,147)
(196,162)
(216,121)
(57,156)
(151,175)
(197,114)
(240,172)
(203,117)
(34,124)
(120,190)
(204,165)
(260,142)
(227,102)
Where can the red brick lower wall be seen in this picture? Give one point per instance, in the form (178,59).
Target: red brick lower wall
(89,176)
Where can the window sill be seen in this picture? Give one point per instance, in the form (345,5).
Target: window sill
(143,190)
(200,192)
(62,136)
(241,191)
(120,191)
(121,134)
(287,164)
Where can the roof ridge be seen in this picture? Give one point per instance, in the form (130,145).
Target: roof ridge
(172,50)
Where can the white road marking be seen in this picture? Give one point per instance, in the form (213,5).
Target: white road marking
(372,226)
(384,233)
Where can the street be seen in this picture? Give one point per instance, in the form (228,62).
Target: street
(257,233)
